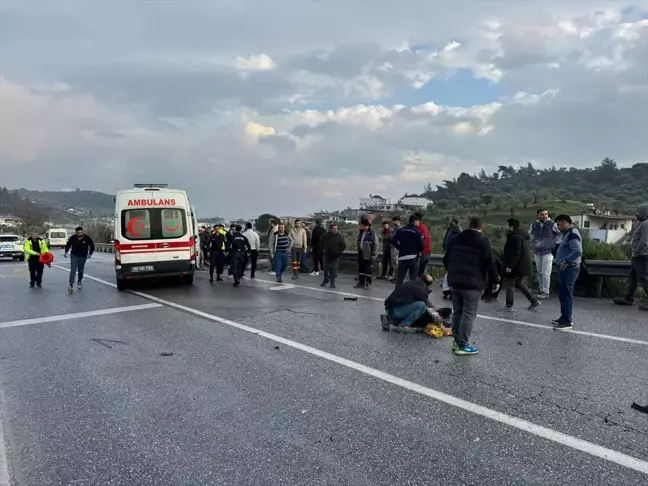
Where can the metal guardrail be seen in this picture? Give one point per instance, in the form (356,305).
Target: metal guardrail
(600,269)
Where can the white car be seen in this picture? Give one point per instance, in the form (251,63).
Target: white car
(11,246)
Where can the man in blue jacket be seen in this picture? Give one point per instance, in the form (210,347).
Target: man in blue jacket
(409,243)
(568,260)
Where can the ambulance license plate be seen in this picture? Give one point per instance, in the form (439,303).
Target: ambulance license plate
(143,268)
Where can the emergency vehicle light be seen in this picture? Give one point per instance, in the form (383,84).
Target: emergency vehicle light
(151,185)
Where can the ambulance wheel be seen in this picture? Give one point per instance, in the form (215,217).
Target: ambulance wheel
(188,280)
(121,284)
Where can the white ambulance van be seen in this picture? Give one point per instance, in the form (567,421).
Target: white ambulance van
(57,238)
(155,234)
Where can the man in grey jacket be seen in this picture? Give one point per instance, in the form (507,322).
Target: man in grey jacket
(544,236)
(639,268)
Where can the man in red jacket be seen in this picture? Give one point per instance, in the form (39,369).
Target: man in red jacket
(427,245)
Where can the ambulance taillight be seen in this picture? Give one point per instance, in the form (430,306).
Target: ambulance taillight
(117,253)
(192,248)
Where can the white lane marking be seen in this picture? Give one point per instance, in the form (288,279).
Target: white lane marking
(4,459)
(77,315)
(282,287)
(571,331)
(481,316)
(328,291)
(521,424)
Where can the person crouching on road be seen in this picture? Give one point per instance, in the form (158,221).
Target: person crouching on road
(568,260)
(367,246)
(407,305)
(332,247)
(639,261)
(81,247)
(239,247)
(518,265)
(299,245)
(470,266)
(34,248)
(281,249)
(216,248)
(409,243)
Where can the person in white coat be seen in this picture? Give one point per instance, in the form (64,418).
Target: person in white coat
(255,243)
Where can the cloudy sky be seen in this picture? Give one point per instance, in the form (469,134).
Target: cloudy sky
(291,106)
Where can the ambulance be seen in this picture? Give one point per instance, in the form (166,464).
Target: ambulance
(156,234)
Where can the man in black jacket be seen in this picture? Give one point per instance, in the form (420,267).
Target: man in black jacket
(333,245)
(81,247)
(469,262)
(518,265)
(239,245)
(409,243)
(316,245)
(408,304)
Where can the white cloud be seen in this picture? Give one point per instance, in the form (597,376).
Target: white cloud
(326,108)
(261,62)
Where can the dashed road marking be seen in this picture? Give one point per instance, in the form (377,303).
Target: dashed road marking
(77,315)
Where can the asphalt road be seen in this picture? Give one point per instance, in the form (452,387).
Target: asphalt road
(271,384)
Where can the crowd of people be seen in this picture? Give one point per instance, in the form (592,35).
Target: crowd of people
(475,271)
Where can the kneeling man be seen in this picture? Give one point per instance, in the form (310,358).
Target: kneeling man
(407,306)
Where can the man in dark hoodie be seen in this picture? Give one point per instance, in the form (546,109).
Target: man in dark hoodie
(316,245)
(367,246)
(470,267)
(333,245)
(518,264)
(639,261)
(387,268)
(409,243)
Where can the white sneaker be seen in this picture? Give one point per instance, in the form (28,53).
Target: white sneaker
(271,273)
(315,274)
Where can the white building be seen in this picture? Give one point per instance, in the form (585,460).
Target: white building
(376,202)
(414,202)
(605,228)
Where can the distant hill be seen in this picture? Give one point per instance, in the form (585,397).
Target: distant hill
(79,202)
(606,186)
(65,208)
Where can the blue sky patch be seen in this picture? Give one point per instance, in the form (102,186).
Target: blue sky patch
(462,89)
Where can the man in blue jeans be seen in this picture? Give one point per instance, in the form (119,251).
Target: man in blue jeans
(81,247)
(407,303)
(568,259)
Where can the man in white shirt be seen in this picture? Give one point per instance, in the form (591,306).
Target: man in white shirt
(255,243)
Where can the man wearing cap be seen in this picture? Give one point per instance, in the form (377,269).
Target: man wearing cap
(34,248)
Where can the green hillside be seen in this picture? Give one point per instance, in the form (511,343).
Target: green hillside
(606,186)
(91,203)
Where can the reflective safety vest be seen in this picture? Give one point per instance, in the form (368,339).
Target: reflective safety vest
(30,251)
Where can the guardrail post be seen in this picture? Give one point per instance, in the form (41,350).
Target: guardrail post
(599,286)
